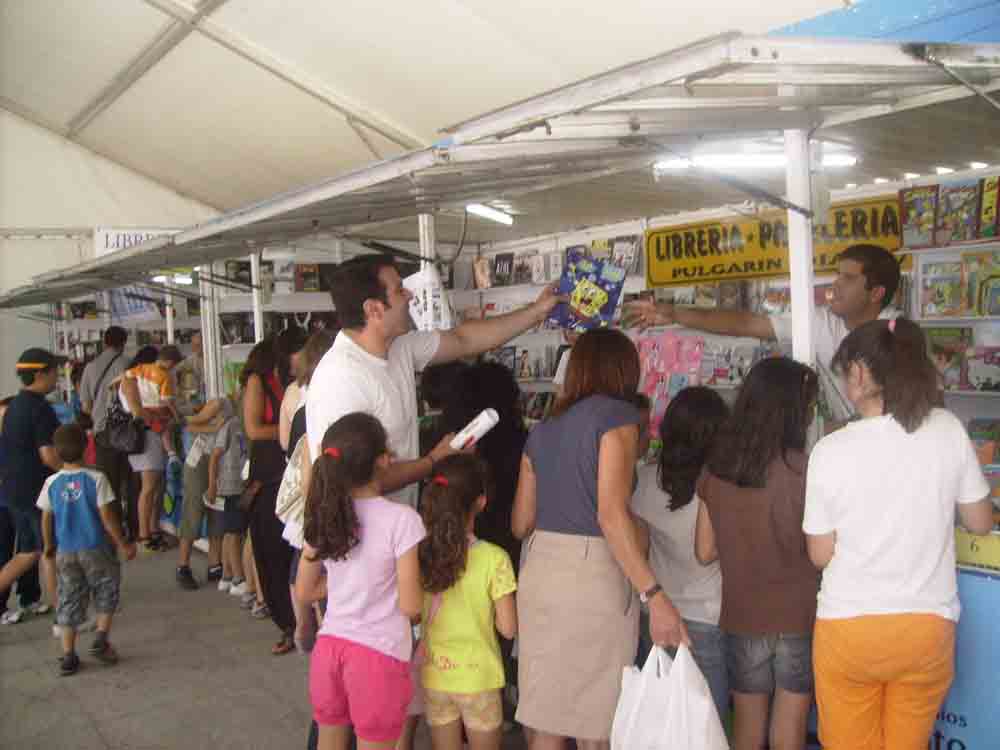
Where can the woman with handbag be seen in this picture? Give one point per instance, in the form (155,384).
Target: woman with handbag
(263,392)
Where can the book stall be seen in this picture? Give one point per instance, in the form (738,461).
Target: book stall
(773,255)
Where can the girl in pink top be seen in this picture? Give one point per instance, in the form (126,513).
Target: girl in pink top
(359,672)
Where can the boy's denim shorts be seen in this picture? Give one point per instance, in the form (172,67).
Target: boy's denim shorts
(81,575)
(760,663)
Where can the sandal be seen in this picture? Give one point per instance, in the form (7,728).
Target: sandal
(285,646)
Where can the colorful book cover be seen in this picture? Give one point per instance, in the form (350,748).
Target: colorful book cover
(942,291)
(984,368)
(988,207)
(958,212)
(947,348)
(918,209)
(594,288)
(523,264)
(503,269)
(668,363)
(307,277)
(981,268)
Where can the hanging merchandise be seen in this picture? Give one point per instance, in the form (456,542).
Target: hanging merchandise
(666,706)
(431,304)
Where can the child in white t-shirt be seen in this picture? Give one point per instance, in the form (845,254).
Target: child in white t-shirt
(360,666)
(470,587)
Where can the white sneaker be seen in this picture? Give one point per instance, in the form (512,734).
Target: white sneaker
(225,584)
(239,589)
(40,608)
(57,631)
(13,616)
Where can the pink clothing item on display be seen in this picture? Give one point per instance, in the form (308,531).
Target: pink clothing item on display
(363,596)
(351,684)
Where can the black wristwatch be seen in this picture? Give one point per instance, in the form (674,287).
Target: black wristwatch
(645,596)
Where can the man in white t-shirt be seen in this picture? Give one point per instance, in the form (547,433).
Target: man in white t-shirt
(867,279)
(373,363)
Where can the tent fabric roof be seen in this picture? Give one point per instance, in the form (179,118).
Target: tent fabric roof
(600,137)
(232,101)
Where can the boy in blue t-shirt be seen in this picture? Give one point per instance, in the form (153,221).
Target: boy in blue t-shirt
(79,503)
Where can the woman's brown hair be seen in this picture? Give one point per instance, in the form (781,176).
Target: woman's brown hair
(317,345)
(895,352)
(447,503)
(603,362)
(350,449)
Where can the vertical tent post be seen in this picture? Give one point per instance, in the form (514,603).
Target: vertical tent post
(428,240)
(171,314)
(800,244)
(258,300)
(209,332)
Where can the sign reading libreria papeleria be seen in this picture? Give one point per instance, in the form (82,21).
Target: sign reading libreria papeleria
(757,246)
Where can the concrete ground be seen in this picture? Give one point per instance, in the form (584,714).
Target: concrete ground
(195,672)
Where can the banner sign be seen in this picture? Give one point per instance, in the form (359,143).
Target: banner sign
(757,246)
(125,306)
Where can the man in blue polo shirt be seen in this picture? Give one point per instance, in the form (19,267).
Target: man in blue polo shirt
(28,429)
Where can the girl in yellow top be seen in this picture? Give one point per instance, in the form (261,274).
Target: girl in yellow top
(470,587)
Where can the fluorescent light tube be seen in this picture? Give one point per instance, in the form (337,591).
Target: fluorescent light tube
(880,180)
(910,175)
(943,170)
(160,279)
(490,213)
(183,279)
(772,160)
(978,164)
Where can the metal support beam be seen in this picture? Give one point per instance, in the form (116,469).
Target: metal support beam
(313,87)
(979,91)
(940,96)
(159,48)
(800,245)
(359,130)
(257,298)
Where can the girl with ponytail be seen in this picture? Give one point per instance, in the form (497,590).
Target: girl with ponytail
(881,501)
(470,589)
(367,545)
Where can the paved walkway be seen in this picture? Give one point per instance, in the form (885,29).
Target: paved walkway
(195,672)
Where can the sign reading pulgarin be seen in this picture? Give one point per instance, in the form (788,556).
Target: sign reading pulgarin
(757,247)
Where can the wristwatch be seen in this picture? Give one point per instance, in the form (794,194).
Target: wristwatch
(645,596)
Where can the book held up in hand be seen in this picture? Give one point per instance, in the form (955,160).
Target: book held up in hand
(594,288)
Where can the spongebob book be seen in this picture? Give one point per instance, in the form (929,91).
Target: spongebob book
(918,207)
(958,212)
(594,288)
(942,289)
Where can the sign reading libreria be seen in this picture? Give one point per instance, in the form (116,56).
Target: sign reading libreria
(757,246)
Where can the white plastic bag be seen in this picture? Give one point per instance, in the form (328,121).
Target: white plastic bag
(666,706)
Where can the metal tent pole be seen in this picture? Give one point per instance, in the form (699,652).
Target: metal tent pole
(171,314)
(800,244)
(256,295)
(428,239)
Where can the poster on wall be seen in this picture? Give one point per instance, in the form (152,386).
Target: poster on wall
(757,246)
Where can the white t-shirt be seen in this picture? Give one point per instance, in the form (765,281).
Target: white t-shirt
(695,589)
(828,333)
(349,379)
(891,499)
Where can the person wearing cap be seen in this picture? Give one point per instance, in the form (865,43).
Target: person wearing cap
(28,429)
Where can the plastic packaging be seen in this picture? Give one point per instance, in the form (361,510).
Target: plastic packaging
(474,431)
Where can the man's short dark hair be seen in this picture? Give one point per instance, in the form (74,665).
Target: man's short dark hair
(115,337)
(170,353)
(27,377)
(354,282)
(879,267)
(70,442)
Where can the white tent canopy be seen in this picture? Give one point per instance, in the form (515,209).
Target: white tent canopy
(594,134)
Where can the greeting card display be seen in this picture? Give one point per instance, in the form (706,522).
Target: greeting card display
(958,212)
(669,364)
(594,288)
(918,208)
